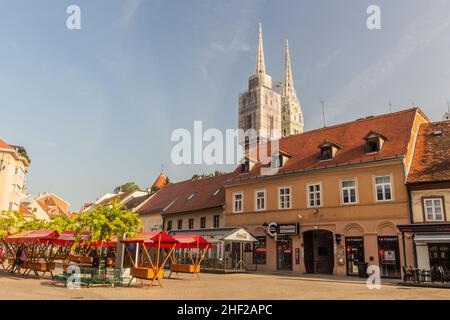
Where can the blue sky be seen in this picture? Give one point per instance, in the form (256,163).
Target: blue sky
(95,107)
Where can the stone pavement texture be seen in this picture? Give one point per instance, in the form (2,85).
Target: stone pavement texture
(221,287)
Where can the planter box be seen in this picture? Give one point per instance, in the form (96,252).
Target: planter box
(185,268)
(146,273)
(80,259)
(39,266)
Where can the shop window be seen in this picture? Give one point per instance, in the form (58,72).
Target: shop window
(383,188)
(389,256)
(259,251)
(433,209)
(314,195)
(285,198)
(348,191)
(237,205)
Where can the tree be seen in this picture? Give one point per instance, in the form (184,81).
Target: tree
(129,186)
(207,175)
(109,220)
(10,222)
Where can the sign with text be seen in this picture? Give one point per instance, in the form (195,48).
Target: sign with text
(287,229)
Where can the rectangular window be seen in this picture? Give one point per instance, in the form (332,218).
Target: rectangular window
(285,198)
(260,200)
(237,206)
(169,225)
(191,223)
(314,195)
(180,224)
(383,188)
(348,191)
(434,209)
(259,251)
(203,222)
(216,221)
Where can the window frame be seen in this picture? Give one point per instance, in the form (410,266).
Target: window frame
(256,199)
(191,222)
(234,202)
(308,204)
(202,225)
(290,197)
(424,209)
(216,226)
(391,183)
(342,188)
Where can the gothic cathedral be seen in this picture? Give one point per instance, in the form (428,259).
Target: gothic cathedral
(267,112)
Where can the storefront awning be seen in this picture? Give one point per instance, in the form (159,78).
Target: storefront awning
(432,238)
(240,235)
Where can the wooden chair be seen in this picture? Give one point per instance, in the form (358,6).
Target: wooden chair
(445,275)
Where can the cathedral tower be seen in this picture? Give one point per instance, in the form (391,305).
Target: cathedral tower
(260,105)
(291,111)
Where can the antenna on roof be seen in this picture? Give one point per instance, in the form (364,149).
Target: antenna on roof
(413,103)
(448,106)
(390,107)
(323,112)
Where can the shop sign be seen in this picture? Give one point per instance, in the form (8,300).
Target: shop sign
(289,229)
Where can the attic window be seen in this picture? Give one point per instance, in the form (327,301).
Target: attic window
(328,150)
(277,160)
(326,153)
(191,196)
(246,166)
(216,192)
(374,142)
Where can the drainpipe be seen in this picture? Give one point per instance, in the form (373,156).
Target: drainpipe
(411,220)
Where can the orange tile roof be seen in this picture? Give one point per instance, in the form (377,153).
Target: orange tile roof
(173,197)
(431,160)
(160,181)
(4,145)
(305,154)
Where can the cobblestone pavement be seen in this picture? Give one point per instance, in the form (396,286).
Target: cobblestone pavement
(219,287)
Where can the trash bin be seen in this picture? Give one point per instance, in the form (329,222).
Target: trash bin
(362,270)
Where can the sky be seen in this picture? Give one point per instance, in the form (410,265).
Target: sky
(96,107)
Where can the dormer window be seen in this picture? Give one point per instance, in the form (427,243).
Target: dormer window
(328,150)
(216,192)
(248,165)
(374,142)
(277,160)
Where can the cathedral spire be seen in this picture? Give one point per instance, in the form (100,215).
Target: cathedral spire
(260,65)
(288,82)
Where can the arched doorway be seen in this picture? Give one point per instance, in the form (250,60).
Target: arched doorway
(318,250)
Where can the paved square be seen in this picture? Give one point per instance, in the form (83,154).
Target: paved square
(220,287)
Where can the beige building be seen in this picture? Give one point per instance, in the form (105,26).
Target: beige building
(333,200)
(429,186)
(45,206)
(14,163)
